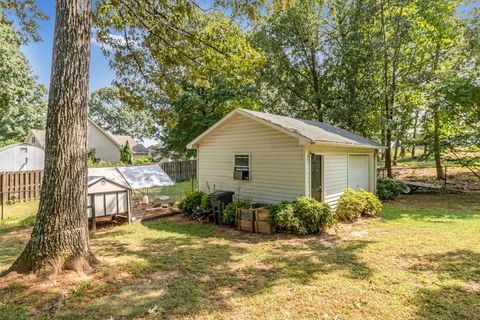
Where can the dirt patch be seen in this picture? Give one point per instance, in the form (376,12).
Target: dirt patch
(457,177)
(465,201)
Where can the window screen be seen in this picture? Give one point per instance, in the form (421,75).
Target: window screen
(241,168)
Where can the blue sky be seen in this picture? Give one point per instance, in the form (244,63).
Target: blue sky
(40,54)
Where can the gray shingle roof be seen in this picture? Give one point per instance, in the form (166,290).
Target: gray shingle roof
(317,132)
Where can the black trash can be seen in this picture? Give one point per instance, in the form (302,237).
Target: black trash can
(220,199)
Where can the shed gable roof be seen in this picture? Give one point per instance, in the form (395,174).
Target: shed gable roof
(307,131)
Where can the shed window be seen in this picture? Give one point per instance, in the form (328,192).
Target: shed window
(241,167)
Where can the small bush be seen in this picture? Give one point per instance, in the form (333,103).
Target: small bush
(284,217)
(349,206)
(304,215)
(205,204)
(314,215)
(191,200)
(371,204)
(230,210)
(354,204)
(389,189)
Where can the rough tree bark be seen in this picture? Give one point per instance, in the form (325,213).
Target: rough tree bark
(60,238)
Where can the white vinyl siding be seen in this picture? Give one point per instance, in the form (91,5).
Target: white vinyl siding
(276,161)
(336,170)
(105,148)
(21,157)
(336,177)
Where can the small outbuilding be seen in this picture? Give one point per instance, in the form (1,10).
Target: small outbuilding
(21,157)
(110,189)
(269,158)
(107,198)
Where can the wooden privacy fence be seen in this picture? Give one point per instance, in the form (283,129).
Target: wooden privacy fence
(181,169)
(23,185)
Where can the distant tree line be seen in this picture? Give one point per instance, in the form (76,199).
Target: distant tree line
(405,73)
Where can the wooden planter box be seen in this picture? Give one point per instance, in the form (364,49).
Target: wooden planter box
(254,220)
(245,219)
(260,223)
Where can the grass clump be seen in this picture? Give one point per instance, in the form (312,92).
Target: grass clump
(390,189)
(354,204)
(302,216)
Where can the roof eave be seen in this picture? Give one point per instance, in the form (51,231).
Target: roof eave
(348,145)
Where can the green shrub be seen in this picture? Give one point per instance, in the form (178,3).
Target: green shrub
(229,212)
(349,206)
(284,217)
(304,215)
(371,204)
(205,204)
(314,215)
(143,160)
(389,189)
(354,204)
(191,200)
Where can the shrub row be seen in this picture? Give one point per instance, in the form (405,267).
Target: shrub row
(302,216)
(354,204)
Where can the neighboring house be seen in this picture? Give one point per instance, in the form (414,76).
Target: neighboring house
(21,157)
(270,158)
(107,145)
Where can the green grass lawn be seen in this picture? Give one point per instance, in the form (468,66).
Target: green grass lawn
(420,260)
(174,192)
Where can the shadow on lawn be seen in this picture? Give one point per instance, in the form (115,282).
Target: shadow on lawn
(450,301)
(187,270)
(195,269)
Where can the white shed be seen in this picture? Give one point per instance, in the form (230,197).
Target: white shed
(107,198)
(21,157)
(269,158)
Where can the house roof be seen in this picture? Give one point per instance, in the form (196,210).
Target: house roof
(18,145)
(119,140)
(39,136)
(307,131)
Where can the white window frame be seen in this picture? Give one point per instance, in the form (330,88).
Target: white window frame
(249,164)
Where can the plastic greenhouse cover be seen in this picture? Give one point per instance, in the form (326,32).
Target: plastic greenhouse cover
(135,177)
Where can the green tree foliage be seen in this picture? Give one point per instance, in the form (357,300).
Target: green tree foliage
(22,99)
(27,14)
(109,112)
(187,67)
(198,108)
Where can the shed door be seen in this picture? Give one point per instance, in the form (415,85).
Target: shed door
(316,176)
(358,172)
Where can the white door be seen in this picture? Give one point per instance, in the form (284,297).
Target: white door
(358,172)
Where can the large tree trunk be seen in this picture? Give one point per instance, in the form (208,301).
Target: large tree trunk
(60,238)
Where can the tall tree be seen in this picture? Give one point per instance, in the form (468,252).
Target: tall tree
(22,99)
(294,75)
(108,110)
(186,66)
(60,237)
